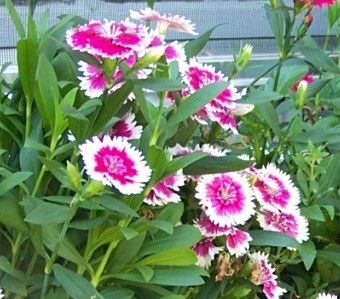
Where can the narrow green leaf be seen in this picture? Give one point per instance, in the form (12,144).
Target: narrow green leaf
(196,101)
(271,238)
(183,236)
(160,84)
(146,271)
(308,253)
(15,18)
(172,213)
(183,161)
(195,46)
(171,257)
(117,293)
(319,59)
(48,213)
(260,96)
(116,205)
(75,285)
(330,255)
(271,117)
(7,267)
(13,180)
(313,212)
(212,164)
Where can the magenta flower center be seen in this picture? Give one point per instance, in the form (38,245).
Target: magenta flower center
(115,163)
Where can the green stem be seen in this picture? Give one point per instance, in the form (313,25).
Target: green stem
(28,117)
(328,34)
(15,248)
(277,76)
(97,276)
(252,83)
(50,262)
(31,265)
(39,180)
(155,131)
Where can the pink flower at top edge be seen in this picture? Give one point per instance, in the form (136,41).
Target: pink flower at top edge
(291,224)
(307,78)
(163,193)
(115,162)
(226,198)
(318,3)
(126,127)
(109,39)
(274,189)
(326,296)
(237,241)
(205,251)
(164,22)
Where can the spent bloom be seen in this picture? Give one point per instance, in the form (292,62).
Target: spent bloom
(163,192)
(164,22)
(126,127)
(326,296)
(115,162)
(291,224)
(205,251)
(274,189)
(226,198)
(263,274)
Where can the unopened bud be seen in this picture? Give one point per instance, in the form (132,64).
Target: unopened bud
(300,96)
(93,188)
(308,19)
(74,176)
(244,56)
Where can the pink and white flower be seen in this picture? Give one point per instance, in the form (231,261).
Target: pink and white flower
(272,290)
(174,52)
(219,109)
(274,189)
(205,251)
(209,228)
(115,162)
(109,39)
(308,78)
(1,293)
(237,241)
(93,82)
(126,127)
(163,192)
(226,198)
(291,224)
(326,296)
(164,22)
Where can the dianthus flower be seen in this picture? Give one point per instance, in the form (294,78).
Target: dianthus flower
(209,228)
(237,241)
(163,192)
(1,293)
(272,290)
(274,189)
(226,198)
(164,22)
(326,296)
(220,109)
(126,127)
(174,52)
(291,224)
(109,39)
(115,162)
(205,251)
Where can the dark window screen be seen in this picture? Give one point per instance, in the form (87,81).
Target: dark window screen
(245,21)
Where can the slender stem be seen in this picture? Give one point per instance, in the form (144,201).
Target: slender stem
(97,276)
(277,76)
(252,83)
(155,131)
(15,248)
(328,34)
(31,264)
(39,180)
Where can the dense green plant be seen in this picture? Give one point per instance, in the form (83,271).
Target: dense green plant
(67,232)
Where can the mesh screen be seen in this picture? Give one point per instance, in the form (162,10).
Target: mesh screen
(244,21)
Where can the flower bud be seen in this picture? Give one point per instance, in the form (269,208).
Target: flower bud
(244,56)
(300,96)
(93,188)
(74,176)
